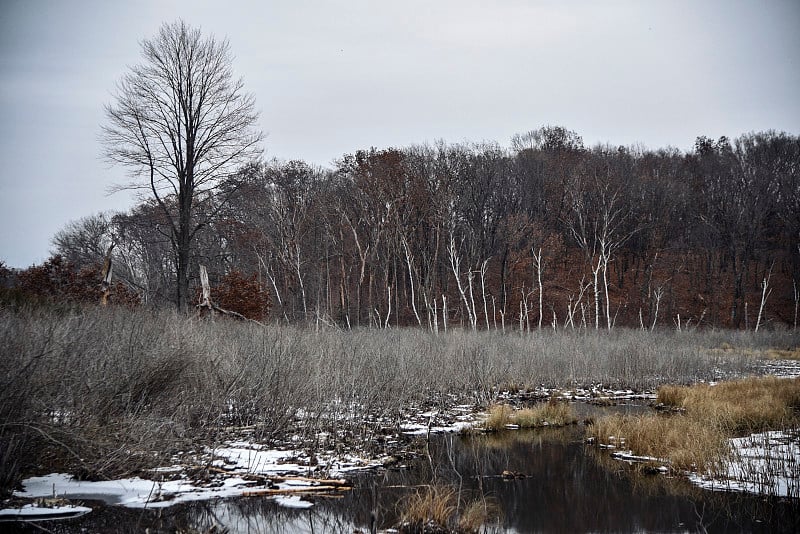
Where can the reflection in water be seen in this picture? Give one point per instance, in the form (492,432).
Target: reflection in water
(568,487)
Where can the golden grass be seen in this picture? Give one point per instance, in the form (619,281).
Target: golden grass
(752,404)
(758,353)
(788,354)
(436,507)
(430,504)
(477,514)
(684,442)
(551,413)
(697,437)
(499,417)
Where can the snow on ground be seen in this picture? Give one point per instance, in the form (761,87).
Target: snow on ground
(235,466)
(781,368)
(31,512)
(131,492)
(235,469)
(767,463)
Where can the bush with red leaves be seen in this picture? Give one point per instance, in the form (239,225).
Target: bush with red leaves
(242,294)
(59,280)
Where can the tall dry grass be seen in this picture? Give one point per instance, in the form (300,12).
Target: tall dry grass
(697,437)
(550,413)
(441,508)
(751,405)
(685,443)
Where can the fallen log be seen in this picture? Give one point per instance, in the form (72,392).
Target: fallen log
(294,490)
(322,481)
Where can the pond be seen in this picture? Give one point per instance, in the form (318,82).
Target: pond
(553,483)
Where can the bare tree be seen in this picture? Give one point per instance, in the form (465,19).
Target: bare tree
(84,242)
(183,120)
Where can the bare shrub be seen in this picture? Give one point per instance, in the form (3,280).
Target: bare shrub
(111,390)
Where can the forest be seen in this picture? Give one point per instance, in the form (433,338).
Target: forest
(546,233)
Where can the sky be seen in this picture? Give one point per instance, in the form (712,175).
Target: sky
(332,77)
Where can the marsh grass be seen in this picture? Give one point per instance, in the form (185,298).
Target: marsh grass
(748,405)
(697,437)
(685,443)
(440,508)
(430,506)
(759,352)
(550,413)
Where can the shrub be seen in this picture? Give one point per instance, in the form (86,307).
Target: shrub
(243,294)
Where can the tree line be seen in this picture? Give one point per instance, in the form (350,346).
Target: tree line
(545,233)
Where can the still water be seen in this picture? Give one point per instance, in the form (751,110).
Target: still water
(563,485)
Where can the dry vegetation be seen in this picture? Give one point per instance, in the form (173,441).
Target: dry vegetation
(684,442)
(102,392)
(695,435)
(551,413)
(440,508)
(747,405)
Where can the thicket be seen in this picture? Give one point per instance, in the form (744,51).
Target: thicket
(102,391)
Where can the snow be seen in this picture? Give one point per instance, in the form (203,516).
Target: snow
(31,512)
(252,459)
(131,492)
(234,462)
(293,501)
(767,463)
(419,429)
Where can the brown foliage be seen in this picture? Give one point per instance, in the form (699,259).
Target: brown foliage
(59,280)
(243,294)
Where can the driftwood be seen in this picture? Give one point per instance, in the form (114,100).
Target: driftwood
(294,490)
(105,285)
(320,482)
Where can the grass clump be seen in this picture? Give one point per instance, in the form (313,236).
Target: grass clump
(551,413)
(439,508)
(431,506)
(685,443)
(478,513)
(499,418)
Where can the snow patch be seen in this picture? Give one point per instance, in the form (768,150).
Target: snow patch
(31,512)
(767,463)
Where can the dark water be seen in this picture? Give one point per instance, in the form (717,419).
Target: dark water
(567,487)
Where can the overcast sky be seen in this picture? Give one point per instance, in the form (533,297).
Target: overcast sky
(332,77)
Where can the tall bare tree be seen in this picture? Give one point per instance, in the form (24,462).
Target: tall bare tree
(183,125)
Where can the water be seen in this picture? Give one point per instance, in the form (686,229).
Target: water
(566,486)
